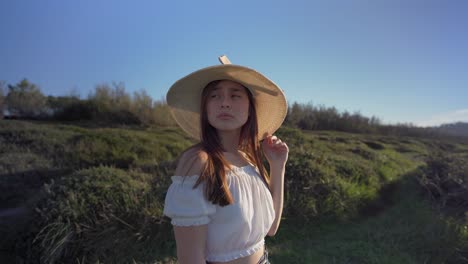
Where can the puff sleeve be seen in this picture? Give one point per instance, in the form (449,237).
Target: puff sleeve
(185,205)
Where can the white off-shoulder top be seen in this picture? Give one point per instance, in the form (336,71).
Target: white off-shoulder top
(234,231)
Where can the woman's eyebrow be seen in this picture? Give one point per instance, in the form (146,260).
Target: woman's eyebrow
(234,89)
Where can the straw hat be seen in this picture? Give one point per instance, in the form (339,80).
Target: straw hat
(184,97)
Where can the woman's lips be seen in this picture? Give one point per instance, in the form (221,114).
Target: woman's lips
(224,116)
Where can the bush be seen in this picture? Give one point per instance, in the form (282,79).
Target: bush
(445,179)
(307,186)
(104,214)
(76,110)
(310,117)
(315,186)
(25,99)
(320,185)
(112,106)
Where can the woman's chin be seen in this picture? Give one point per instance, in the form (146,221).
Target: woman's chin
(228,129)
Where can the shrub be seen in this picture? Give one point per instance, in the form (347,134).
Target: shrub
(313,189)
(104,214)
(112,106)
(319,185)
(76,110)
(445,179)
(25,99)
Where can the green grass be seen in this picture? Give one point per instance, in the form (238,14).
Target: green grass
(77,147)
(103,210)
(408,230)
(95,195)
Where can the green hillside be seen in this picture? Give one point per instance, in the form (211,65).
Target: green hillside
(81,194)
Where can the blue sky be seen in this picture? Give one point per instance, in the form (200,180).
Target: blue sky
(402,61)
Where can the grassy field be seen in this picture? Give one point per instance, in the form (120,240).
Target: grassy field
(88,194)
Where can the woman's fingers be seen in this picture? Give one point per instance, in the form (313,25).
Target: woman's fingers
(275,141)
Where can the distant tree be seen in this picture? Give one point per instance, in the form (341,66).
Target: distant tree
(57,104)
(143,107)
(2,98)
(112,104)
(111,97)
(74,93)
(25,99)
(102,96)
(375,121)
(120,98)
(458,128)
(294,114)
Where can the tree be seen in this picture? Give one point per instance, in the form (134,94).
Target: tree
(56,104)
(143,107)
(25,99)
(108,97)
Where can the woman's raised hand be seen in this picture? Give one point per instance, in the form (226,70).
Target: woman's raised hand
(275,150)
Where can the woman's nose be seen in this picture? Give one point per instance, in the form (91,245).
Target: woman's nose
(225,103)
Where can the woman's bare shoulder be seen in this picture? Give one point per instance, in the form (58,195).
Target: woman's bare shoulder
(191,162)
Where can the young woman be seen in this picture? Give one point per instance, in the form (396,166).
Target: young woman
(222,201)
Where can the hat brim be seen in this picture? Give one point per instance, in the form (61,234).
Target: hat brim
(184,97)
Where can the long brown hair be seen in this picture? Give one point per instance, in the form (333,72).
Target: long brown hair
(214,172)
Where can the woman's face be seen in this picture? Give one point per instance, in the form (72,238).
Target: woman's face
(227,106)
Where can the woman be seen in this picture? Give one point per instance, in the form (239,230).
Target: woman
(222,201)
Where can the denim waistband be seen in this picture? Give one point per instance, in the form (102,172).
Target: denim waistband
(264,258)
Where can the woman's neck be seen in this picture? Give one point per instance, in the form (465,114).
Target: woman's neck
(230,141)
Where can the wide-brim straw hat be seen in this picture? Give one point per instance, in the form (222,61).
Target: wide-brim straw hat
(184,97)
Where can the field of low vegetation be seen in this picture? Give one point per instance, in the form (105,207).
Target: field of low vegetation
(90,189)
(95,195)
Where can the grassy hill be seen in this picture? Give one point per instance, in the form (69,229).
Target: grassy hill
(84,194)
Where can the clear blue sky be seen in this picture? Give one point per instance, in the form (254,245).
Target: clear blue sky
(402,61)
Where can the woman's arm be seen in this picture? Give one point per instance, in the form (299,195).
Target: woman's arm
(276,153)
(277,193)
(191,242)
